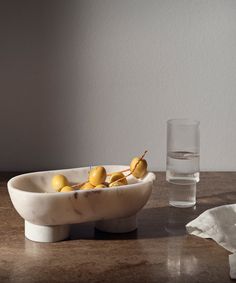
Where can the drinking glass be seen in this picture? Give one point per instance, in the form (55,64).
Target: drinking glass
(182,162)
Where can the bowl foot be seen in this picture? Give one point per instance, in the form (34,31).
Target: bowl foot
(120,225)
(46,234)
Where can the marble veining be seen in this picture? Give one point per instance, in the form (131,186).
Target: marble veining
(36,202)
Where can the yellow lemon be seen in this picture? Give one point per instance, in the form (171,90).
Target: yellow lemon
(97,175)
(67,189)
(87,186)
(118,175)
(140,169)
(58,182)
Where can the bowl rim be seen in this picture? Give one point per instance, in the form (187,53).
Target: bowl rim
(149,178)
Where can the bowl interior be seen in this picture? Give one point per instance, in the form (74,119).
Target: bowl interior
(40,182)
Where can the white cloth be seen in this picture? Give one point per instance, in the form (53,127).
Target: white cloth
(218,223)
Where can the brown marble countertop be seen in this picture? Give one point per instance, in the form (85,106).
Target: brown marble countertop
(159,251)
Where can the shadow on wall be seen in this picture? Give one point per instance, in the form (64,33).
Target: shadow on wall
(39,98)
(70,77)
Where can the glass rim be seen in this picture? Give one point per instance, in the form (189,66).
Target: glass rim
(183,122)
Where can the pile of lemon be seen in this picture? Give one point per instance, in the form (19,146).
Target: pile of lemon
(98,177)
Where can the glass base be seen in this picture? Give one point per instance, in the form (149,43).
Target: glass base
(182,204)
(182,194)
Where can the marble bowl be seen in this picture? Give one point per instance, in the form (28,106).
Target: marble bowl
(48,214)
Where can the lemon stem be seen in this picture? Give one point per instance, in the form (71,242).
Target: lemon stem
(122,171)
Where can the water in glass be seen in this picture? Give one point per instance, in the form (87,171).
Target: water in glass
(182,174)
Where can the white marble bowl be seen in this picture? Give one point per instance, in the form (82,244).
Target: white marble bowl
(48,214)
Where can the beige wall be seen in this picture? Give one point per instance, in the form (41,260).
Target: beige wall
(87,82)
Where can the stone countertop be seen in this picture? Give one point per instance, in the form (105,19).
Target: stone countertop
(159,251)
